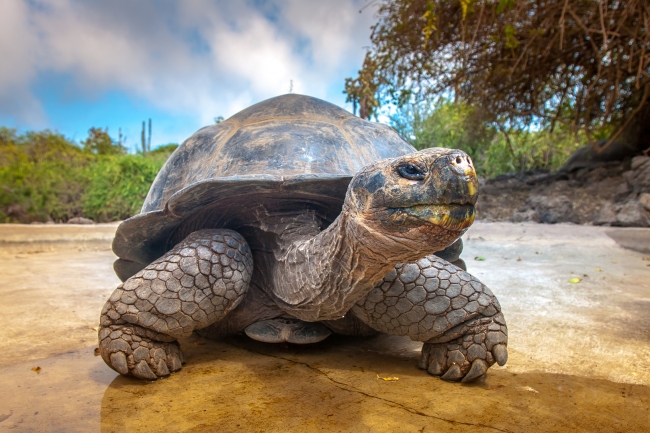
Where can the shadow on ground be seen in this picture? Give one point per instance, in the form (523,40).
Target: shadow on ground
(242,385)
(334,387)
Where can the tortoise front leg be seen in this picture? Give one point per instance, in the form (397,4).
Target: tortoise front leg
(192,286)
(455,315)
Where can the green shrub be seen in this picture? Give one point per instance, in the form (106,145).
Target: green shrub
(44,176)
(118,185)
(522,151)
(165,149)
(493,149)
(100,143)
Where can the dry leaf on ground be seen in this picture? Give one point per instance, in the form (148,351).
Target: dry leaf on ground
(530,389)
(387,379)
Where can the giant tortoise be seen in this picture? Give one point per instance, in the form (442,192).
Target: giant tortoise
(294,219)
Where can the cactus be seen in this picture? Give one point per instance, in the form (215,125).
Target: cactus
(146,142)
(142,140)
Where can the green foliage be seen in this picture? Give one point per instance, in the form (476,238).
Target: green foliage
(44,176)
(511,41)
(41,176)
(361,90)
(100,143)
(443,124)
(580,64)
(524,150)
(503,5)
(493,149)
(165,149)
(118,186)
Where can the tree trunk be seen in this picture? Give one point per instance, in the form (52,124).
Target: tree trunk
(363,107)
(637,135)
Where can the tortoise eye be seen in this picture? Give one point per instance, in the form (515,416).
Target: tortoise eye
(410,171)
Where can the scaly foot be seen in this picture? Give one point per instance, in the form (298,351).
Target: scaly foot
(480,343)
(129,350)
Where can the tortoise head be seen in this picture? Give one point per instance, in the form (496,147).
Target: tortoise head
(424,200)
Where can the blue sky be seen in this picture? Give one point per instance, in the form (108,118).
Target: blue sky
(68,65)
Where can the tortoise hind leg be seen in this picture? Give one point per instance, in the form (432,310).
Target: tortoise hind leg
(192,286)
(289,330)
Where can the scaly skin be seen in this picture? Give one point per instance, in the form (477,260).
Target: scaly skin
(386,219)
(192,286)
(395,211)
(433,301)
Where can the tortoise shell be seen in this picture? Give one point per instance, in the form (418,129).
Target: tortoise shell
(288,151)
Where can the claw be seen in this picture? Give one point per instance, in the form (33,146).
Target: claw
(173,362)
(423,363)
(142,371)
(118,362)
(435,368)
(500,354)
(453,373)
(479,368)
(161,368)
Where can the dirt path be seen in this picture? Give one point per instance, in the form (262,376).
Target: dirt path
(579,353)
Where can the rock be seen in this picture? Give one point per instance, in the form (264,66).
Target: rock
(638,161)
(633,214)
(607,214)
(622,191)
(526,215)
(636,181)
(596,175)
(80,220)
(640,178)
(628,176)
(551,210)
(644,200)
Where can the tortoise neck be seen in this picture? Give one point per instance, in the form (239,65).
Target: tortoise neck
(321,277)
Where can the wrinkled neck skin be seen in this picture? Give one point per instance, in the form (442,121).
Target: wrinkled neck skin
(320,277)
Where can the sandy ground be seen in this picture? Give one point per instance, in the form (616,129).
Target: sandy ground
(579,353)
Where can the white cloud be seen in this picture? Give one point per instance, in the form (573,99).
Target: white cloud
(195,57)
(18,63)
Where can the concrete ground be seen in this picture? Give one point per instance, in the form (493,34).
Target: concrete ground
(579,353)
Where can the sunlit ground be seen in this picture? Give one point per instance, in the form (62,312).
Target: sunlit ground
(579,353)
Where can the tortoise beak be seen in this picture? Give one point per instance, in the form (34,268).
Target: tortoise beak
(451,194)
(448,216)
